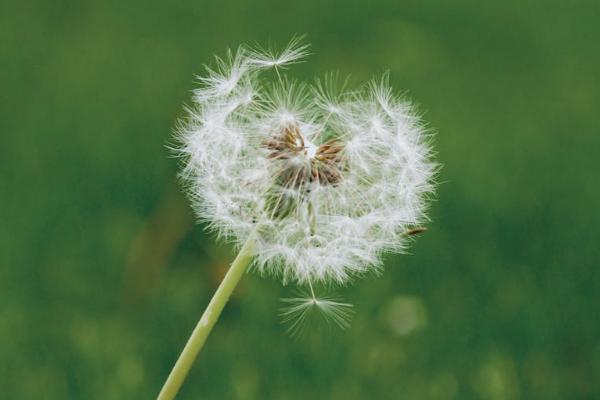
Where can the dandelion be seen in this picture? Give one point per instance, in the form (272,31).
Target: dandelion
(312,184)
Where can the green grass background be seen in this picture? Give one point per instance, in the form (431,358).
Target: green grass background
(103,272)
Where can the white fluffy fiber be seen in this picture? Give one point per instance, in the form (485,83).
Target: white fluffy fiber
(335,231)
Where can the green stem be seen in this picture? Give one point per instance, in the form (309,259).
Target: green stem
(206,323)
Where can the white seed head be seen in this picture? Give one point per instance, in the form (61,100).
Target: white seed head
(326,181)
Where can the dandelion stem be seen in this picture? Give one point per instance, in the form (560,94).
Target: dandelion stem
(206,323)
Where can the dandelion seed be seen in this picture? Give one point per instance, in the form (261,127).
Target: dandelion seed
(300,310)
(294,52)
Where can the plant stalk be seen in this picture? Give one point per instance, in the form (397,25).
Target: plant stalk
(206,323)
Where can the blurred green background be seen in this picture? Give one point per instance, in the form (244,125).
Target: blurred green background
(104,274)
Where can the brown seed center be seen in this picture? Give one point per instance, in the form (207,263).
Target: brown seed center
(299,163)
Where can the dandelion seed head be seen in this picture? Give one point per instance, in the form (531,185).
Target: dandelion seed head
(327,180)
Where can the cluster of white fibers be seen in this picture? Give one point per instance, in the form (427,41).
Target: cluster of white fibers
(325,181)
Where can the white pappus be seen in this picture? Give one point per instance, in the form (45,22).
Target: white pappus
(325,181)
